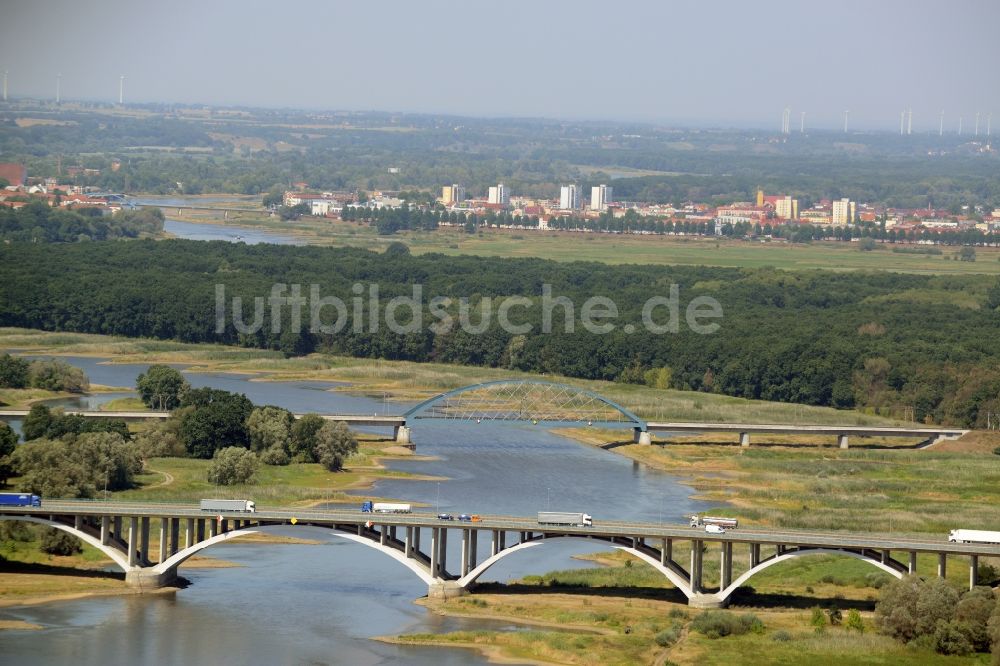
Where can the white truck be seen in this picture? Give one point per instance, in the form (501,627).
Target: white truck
(564,518)
(385,507)
(724,523)
(216,505)
(974,536)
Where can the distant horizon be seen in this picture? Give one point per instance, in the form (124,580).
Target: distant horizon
(724,64)
(678,123)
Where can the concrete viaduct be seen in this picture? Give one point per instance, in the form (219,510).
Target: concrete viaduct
(122,531)
(551,404)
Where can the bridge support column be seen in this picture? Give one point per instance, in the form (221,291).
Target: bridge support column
(435,539)
(696,561)
(754,555)
(495,543)
(442,553)
(942,568)
(118,532)
(640,436)
(473,548)
(912,568)
(189,533)
(133,540)
(408,543)
(744,439)
(213,527)
(144,540)
(199,531)
(163,539)
(666,551)
(224,525)
(383,535)
(401,434)
(416,539)
(77,522)
(105,530)
(175,535)
(973,571)
(466,543)
(842,441)
(886,555)
(726,565)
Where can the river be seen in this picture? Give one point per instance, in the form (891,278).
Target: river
(291,604)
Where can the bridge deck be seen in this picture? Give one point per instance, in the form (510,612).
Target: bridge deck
(887,542)
(778,428)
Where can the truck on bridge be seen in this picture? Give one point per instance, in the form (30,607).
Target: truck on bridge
(564,518)
(19,499)
(243,506)
(724,523)
(974,536)
(385,507)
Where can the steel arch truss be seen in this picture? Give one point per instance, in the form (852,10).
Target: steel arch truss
(529,401)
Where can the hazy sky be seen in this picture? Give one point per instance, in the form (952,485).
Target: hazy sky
(696,62)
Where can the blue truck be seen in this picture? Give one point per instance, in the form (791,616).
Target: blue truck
(19,499)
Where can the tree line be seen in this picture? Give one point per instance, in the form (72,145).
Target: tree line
(891,343)
(37,222)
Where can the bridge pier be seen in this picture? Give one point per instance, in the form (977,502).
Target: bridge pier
(144,540)
(726,565)
(401,434)
(696,566)
(175,535)
(640,436)
(973,571)
(445,589)
(163,539)
(754,555)
(912,567)
(942,567)
(105,530)
(842,440)
(147,578)
(133,540)
(706,601)
(744,439)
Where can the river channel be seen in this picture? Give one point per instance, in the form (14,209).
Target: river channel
(321,604)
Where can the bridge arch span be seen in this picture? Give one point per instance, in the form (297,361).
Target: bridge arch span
(724,595)
(675,577)
(119,558)
(526,400)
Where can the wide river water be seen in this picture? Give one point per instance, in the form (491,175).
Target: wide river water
(321,604)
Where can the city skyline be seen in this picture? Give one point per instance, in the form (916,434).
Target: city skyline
(652,66)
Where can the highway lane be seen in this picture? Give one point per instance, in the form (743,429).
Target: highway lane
(600,528)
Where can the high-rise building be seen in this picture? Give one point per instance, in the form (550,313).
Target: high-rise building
(786,208)
(499,195)
(452,194)
(600,197)
(844,211)
(569,197)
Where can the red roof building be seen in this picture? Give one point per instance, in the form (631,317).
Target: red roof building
(15,174)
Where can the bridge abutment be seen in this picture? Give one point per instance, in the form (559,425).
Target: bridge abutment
(707,601)
(402,435)
(643,437)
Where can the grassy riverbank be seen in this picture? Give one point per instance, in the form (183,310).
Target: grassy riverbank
(405,380)
(610,248)
(624,613)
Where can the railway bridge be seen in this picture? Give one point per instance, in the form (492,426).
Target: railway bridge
(420,542)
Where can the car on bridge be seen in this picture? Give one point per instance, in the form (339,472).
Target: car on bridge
(714,529)
(445,516)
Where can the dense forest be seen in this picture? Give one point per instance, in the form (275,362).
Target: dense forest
(38,222)
(892,343)
(190,151)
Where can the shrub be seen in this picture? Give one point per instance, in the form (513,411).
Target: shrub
(668,637)
(950,638)
(716,624)
(818,620)
(973,613)
(855,621)
(57,542)
(274,456)
(781,636)
(232,465)
(836,617)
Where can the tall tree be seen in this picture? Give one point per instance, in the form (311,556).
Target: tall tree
(162,387)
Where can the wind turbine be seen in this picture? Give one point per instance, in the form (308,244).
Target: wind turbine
(846,114)
(121,90)
(58,82)
(941,125)
(802,122)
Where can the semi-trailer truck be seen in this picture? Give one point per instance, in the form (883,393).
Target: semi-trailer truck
(19,499)
(724,523)
(974,536)
(216,505)
(385,507)
(565,518)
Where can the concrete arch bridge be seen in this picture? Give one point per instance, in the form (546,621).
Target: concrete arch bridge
(421,543)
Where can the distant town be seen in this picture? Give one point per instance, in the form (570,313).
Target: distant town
(769,217)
